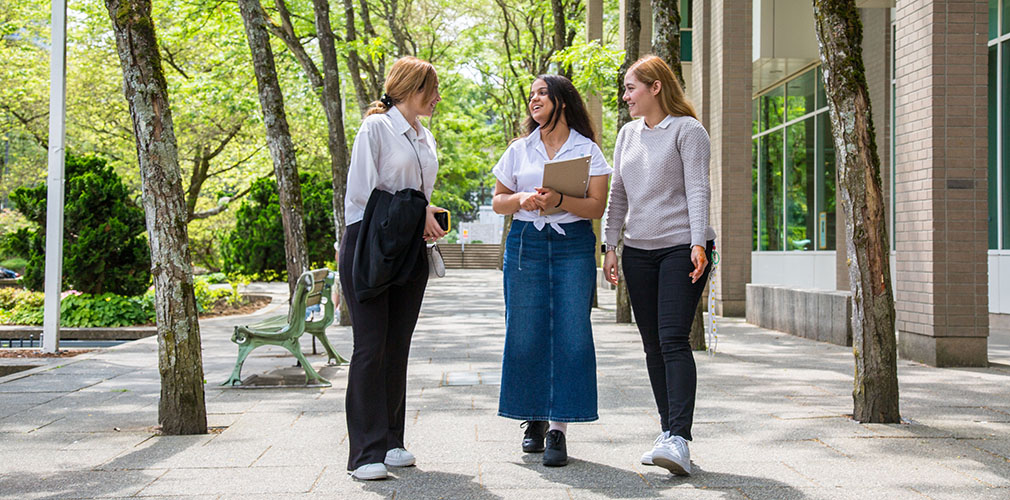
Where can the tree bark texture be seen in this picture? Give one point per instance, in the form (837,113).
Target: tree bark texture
(560,35)
(839,32)
(632,35)
(181,409)
(278,139)
(331,99)
(666,34)
(353,66)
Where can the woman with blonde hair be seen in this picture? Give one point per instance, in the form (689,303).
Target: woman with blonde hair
(660,196)
(392,152)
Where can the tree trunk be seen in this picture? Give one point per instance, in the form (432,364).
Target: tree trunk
(666,34)
(697,336)
(337,141)
(501,244)
(181,409)
(278,139)
(560,35)
(632,35)
(353,66)
(666,45)
(839,31)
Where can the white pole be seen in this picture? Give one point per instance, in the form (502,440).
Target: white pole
(54,200)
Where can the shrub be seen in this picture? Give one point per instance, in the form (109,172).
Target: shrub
(256,244)
(25,307)
(104,250)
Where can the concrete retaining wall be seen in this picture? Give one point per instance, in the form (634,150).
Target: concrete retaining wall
(822,315)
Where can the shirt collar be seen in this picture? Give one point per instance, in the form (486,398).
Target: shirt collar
(396,119)
(663,124)
(574,139)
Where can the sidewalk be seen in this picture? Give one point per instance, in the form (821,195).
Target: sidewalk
(770,423)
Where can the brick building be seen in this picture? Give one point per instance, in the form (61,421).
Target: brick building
(938,74)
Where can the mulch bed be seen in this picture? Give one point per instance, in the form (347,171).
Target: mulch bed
(17,352)
(248,306)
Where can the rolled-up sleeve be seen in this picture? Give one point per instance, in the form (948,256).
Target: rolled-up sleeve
(504,170)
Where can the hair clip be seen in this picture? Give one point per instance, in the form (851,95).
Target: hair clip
(386,100)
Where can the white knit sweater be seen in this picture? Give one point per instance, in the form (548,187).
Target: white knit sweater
(660,189)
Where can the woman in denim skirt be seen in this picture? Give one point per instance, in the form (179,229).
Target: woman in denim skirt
(549,364)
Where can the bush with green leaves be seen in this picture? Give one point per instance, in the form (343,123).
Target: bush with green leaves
(256,244)
(107,310)
(104,249)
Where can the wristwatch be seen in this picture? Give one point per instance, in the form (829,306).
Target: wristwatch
(607,248)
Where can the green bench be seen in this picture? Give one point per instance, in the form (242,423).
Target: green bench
(313,288)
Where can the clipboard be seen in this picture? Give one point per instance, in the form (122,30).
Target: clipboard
(570,177)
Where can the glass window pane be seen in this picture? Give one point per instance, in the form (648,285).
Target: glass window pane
(1005,139)
(800,185)
(1006,17)
(771,191)
(993,144)
(756,117)
(800,95)
(685,46)
(993,19)
(821,99)
(755,214)
(826,221)
(771,108)
(685,14)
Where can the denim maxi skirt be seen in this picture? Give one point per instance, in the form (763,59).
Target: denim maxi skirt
(549,364)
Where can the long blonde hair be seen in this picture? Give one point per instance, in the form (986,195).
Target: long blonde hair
(407,76)
(672,100)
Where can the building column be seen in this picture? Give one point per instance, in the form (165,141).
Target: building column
(725,45)
(701,73)
(942,312)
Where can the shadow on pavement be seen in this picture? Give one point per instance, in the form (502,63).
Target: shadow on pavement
(612,482)
(414,482)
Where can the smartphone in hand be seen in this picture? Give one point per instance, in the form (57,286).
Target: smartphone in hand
(442,218)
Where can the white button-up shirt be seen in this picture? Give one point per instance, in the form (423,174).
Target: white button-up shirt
(521,169)
(390,155)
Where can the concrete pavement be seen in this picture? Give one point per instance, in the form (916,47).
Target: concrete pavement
(771,422)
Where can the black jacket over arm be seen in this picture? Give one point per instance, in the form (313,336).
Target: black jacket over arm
(390,246)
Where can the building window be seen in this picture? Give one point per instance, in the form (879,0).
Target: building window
(793,168)
(686,30)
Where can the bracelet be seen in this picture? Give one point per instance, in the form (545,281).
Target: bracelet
(560,199)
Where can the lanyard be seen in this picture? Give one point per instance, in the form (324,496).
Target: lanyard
(420,170)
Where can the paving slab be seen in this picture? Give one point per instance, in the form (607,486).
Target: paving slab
(772,421)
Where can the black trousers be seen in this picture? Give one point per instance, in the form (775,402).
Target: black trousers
(664,301)
(377,381)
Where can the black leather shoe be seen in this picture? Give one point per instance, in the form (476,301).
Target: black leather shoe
(556,454)
(533,440)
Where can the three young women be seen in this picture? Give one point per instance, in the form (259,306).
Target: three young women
(549,363)
(391,152)
(660,197)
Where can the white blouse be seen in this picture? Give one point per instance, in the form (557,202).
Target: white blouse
(521,169)
(390,155)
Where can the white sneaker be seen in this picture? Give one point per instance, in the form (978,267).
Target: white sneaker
(399,457)
(370,472)
(647,456)
(672,454)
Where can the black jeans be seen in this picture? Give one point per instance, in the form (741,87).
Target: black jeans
(377,380)
(664,301)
